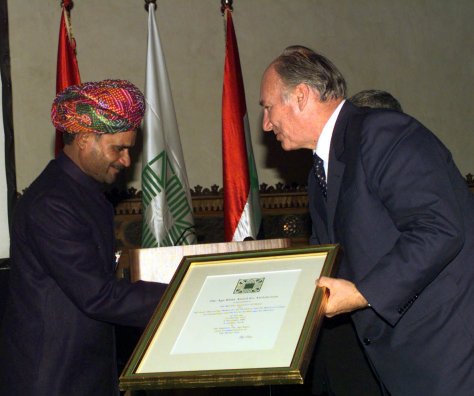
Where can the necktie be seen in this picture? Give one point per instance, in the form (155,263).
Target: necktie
(318,167)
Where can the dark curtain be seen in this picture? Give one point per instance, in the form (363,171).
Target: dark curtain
(7,107)
(8,130)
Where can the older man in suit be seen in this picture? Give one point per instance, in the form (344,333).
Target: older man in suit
(388,191)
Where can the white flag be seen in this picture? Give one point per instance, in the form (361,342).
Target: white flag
(166,200)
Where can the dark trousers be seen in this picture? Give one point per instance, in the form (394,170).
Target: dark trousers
(340,365)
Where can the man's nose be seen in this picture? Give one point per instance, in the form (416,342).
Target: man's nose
(125,159)
(266,124)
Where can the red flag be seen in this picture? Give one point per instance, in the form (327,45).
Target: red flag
(242,216)
(67,71)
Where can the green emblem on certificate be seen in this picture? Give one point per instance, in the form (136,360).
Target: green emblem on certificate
(252,285)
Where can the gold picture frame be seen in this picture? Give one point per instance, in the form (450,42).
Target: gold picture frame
(234,319)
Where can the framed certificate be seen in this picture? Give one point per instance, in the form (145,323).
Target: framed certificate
(231,319)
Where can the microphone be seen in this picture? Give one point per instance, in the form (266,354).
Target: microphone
(183,234)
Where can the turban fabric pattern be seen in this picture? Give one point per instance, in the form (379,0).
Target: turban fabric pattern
(108,106)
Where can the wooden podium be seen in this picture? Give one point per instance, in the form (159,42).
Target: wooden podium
(159,264)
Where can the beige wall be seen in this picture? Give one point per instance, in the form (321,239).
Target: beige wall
(419,50)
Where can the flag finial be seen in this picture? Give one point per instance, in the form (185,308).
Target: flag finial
(148,2)
(68,4)
(226,4)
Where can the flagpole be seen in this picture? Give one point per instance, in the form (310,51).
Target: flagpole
(148,2)
(226,4)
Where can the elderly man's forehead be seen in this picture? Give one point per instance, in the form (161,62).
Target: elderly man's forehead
(271,83)
(271,76)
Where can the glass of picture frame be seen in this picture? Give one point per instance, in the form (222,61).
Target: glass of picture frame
(235,319)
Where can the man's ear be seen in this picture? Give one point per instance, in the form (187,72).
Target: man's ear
(302,92)
(82,140)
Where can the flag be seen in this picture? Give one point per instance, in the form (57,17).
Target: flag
(67,69)
(242,216)
(166,199)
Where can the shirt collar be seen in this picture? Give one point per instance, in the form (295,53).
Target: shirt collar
(69,167)
(324,141)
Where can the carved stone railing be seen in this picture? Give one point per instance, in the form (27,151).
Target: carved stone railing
(284,210)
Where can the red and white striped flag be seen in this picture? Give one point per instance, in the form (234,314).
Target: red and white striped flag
(242,216)
(67,70)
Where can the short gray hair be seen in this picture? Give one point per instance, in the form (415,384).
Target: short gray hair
(301,65)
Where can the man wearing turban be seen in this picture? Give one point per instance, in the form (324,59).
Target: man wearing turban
(58,334)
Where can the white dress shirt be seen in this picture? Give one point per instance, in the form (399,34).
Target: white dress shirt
(324,141)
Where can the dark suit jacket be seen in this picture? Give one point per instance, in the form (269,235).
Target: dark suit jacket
(58,334)
(405,218)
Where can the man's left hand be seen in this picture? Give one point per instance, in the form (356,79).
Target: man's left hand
(343,296)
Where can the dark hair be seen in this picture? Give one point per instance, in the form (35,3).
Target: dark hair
(68,138)
(298,64)
(376,99)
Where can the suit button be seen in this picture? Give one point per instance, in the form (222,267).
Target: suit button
(366,341)
(400,311)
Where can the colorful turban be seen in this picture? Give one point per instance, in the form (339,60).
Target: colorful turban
(108,106)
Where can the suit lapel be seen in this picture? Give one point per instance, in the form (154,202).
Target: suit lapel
(334,186)
(337,160)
